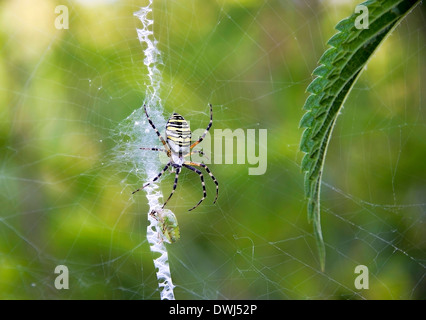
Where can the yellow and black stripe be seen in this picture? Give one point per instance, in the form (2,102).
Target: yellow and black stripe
(178,133)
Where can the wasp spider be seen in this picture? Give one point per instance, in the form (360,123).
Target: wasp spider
(177,146)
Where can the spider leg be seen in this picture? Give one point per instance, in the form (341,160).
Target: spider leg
(202,183)
(153,180)
(208,128)
(174,186)
(210,174)
(156,131)
(196,151)
(154,149)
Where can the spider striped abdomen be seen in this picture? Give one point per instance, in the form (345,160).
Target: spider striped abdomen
(178,134)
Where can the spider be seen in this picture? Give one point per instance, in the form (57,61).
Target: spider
(177,146)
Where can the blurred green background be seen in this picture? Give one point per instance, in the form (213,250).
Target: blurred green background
(65,198)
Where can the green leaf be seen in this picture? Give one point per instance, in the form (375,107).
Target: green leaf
(340,67)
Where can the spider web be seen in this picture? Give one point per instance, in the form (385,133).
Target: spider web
(66,190)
